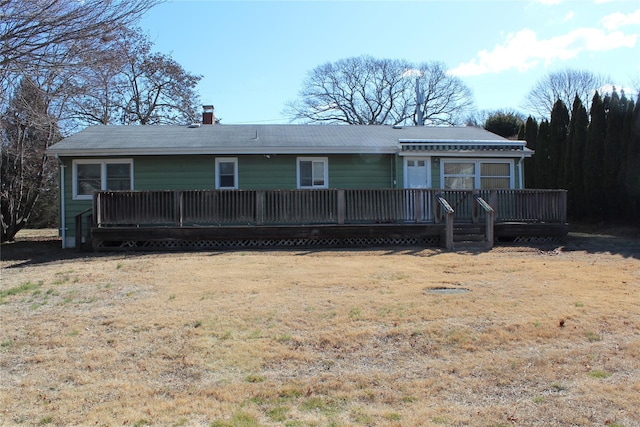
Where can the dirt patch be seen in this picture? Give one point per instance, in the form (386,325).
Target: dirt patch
(547,335)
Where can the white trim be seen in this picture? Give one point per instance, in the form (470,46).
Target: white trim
(103,174)
(325,161)
(233,160)
(477,171)
(426,159)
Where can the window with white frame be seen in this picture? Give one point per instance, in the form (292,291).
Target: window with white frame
(312,172)
(495,175)
(482,174)
(91,175)
(227,173)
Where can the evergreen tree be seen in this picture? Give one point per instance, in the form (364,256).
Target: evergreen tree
(592,165)
(542,161)
(613,155)
(531,136)
(504,123)
(557,144)
(632,157)
(576,141)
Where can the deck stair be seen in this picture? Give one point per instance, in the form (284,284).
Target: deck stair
(470,236)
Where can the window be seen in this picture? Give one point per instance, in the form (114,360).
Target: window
(470,174)
(227,173)
(459,176)
(495,175)
(94,175)
(312,172)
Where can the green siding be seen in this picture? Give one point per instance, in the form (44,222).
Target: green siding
(262,173)
(174,173)
(361,171)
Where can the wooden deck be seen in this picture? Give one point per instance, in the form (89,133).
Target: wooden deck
(340,218)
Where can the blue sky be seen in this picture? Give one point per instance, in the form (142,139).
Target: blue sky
(254,55)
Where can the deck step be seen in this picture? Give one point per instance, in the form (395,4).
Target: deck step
(469,236)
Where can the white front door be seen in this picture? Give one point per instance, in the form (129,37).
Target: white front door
(417,172)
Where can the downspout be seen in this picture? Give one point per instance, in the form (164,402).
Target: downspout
(63,214)
(521,170)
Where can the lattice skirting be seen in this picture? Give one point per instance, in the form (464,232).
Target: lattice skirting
(532,240)
(179,244)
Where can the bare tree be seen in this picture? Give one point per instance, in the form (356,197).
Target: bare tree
(43,43)
(369,91)
(27,130)
(564,86)
(157,89)
(41,34)
(447,100)
(133,85)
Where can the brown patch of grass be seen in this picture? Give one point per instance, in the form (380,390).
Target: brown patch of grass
(322,338)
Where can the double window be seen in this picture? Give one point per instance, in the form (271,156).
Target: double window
(470,174)
(227,173)
(94,175)
(312,172)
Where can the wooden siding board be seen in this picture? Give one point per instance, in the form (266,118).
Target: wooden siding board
(174,173)
(265,173)
(360,171)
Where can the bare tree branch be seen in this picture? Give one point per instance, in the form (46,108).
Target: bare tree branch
(370,91)
(564,86)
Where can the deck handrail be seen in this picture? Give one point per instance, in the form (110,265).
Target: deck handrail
(489,219)
(448,212)
(180,208)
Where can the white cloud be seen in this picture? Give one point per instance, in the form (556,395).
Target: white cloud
(617,20)
(568,17)
(549,1)
(523,50)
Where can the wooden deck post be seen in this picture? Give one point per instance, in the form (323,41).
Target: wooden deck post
(449,230)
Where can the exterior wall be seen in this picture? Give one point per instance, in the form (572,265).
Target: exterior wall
(361,171)
(255,172)
(174,173)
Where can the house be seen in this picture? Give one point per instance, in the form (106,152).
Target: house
(214,157)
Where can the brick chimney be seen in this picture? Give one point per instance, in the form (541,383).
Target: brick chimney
(208,118)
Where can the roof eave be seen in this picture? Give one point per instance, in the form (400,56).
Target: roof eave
(208,151)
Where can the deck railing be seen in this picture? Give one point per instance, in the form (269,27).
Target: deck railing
(330,206)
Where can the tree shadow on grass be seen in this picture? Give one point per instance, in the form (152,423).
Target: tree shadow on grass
(23,253)
(596,243)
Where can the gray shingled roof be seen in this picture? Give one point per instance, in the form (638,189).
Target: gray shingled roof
(262,139)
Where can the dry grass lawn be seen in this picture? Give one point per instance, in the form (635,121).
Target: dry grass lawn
(544,336)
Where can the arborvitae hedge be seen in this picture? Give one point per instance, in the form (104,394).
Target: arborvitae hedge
(596,157)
